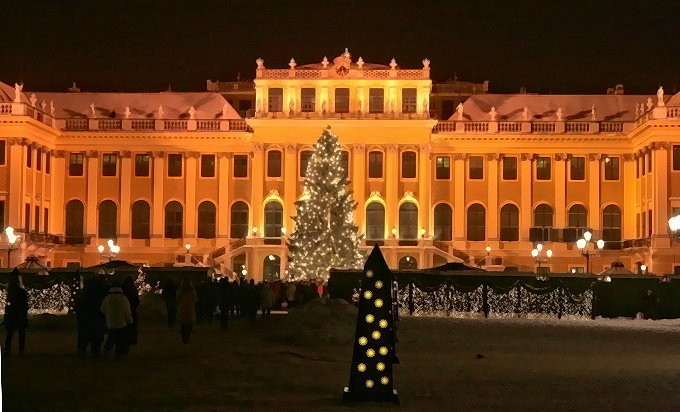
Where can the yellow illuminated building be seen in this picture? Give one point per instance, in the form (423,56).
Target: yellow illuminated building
(157,172)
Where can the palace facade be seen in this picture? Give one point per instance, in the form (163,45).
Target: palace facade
(157,172)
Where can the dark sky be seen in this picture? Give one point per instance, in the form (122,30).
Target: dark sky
(546,46)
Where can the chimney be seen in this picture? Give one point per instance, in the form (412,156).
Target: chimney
(522,90)
(618,89)
(74,88)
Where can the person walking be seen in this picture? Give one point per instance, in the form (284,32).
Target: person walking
(16,313)
(226,301)
(186,309)
(132,295)
(91,321)
(170,299)
(116,309)
(290,294)
(266,299)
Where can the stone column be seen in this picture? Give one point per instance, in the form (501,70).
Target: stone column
(158,207)
(459,199)
(630,189)
(561,160)
(257,186)
(124,225)
(14,200)
(492,217)
(660,237)
(92,177)
(424,189)
(190,206)
(358,178)
(223,213)
(58,172)
(594,193)
(391,187)
(290,182)
(526,195)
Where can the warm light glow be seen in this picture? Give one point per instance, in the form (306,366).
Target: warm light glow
(361,367)
(369,273)
(378,284)
(674,223)
(488,249)
(368,294)
(369,318)
(375,335)
(271,257)
(363,341)
(100,248)
(587,236)
(539,247)
(384,380)
(244,272)
(534,252)
(380,366)
(369,383)
(187,246)
(255,230)
(383,350)
(573,270)
(382,323)
(9,230)
(581,243)
(370,353)
(394,232)
(110,243)
(283,230)
(378,303)
(643,268)
(548,253)
(600,244)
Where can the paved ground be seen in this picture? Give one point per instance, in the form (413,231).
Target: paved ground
(528,365)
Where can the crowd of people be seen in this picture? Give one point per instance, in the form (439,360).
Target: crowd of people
(107,313)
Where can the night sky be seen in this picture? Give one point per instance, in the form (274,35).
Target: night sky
(546,46)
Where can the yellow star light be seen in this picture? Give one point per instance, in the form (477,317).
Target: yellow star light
(380,366)
(371,353)
(369,318)
(384,380)
(382,350)
(368,294)
(375,335)
(378,284)
(361,367)
(363,340)
(369,383)
(378,303)
(382,323)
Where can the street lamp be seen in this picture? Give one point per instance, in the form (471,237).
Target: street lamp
(113,250)
(582,245)
(12,239)
(536,254)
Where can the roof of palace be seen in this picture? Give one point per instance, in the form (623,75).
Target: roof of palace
(510,107)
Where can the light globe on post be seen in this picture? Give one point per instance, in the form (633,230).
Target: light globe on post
(587,236)
(12,239)
(643,268)
(534,253)
(549,253)
(600,244)
(581,243)
(187,247)
(100,248)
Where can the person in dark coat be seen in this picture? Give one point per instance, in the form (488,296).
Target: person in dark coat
(186,309)
(16,313)
(252,298)
(649,305)
(226,301)
(130,292)
(170,299)
(91,321)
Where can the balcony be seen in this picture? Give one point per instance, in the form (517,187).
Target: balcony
(636,243)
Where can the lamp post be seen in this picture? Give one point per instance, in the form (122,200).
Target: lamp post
(12,239)
(536,254)
(582,245)
(114,250)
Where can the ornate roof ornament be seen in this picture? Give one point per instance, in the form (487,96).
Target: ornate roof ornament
(93,111)
(52,107)
(127,112)
(492,113)
(592,114)
(160,111)
(260,63)
(558,113)
(659,97)
(33,99)
(292,63)
(525,114)
(192,112)
(346,53)
(459,109)
(324,62)
(360,62)
(17,92)
(426,63)
(393,64)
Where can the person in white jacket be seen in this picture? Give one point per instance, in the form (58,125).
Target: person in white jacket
(116,308)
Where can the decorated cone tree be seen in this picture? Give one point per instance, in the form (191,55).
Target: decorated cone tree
(370,378)
(325,235)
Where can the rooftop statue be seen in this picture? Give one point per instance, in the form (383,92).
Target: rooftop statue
(17,92)
(324,62)
(260,63)
(292,63)
(492,113)
(192,112)
(52,107)
(525,114)
(393,63)
(160,112)
(360,62)
(127,112)
(224,110)
(33,99)
(659,97)
(93,111)
(592,113)
(558,113)
(459,109)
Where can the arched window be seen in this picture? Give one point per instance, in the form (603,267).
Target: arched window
(543,223)
(239,220)
(442,222)
(174,220)
(141,216)
(408,221)
(577,223)
(611,224)
(509,223)
(75,212)
(206,220)
(375,221)
(476,222)
(273,219)
(408,263)
(271,268)
(108,219)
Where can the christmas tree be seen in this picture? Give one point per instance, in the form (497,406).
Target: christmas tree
(325,235)
(370,379)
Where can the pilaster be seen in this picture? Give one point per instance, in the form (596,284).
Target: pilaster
(424,189)
(459,197)
(257,188)
(492,197)
(660,236)
(92,177)
(290,181)
(158,206)
(392,186)
(14,201)
(190,207)
(561,160)
(630,200)
(224,160)
(526,178)
(594,190)
(58,172)
(358,178)
(124,225)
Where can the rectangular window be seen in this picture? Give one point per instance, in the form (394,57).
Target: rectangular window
(476,167)
(408,165)
(305,157)
(48,162)
(376,100)
(75,164)
(307,95)
(29,156)
(443,168)
(3,147)
(109,163)
(275,99)
(408,100)
(676,156)
(240,165)
(175,165)
(274,163)
(36,216)
(344,163)
(509,168)
(46,221)
(650,224)
(578,168)
(2,215)
(611,168)
(142,162)
(375,165)
(641,165)
(38,159)
(27,218)
(342,100)
(208,165)
(649,162)
(543,168)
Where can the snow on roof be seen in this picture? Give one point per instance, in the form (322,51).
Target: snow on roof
(510,107)
(674,100)
(176,105)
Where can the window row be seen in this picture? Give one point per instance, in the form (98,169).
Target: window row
(376,100)
(376,228)
(39,152)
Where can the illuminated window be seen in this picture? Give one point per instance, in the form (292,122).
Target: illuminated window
(342,100)
(476,222)
(108,219)
(75,212)
(611,168)
(307,95)
(141,217)
(509,223)
(611,224)
(273,219)
(476,167)
(305,157)
(109,164)
(408,100)
(543,223)
(375,165)
(239,220)
(408,221)
(676,156)
(509,168)
(275,100)
(408,165)
(206,220)
(240,166)
(376,100)
(75,164)
(543,168)
(174,220)
(274,163)
(442,222)
(208,165)
(142,165)
(577,170)
(344,163)
(175,165)
(375,221)
(443,168)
